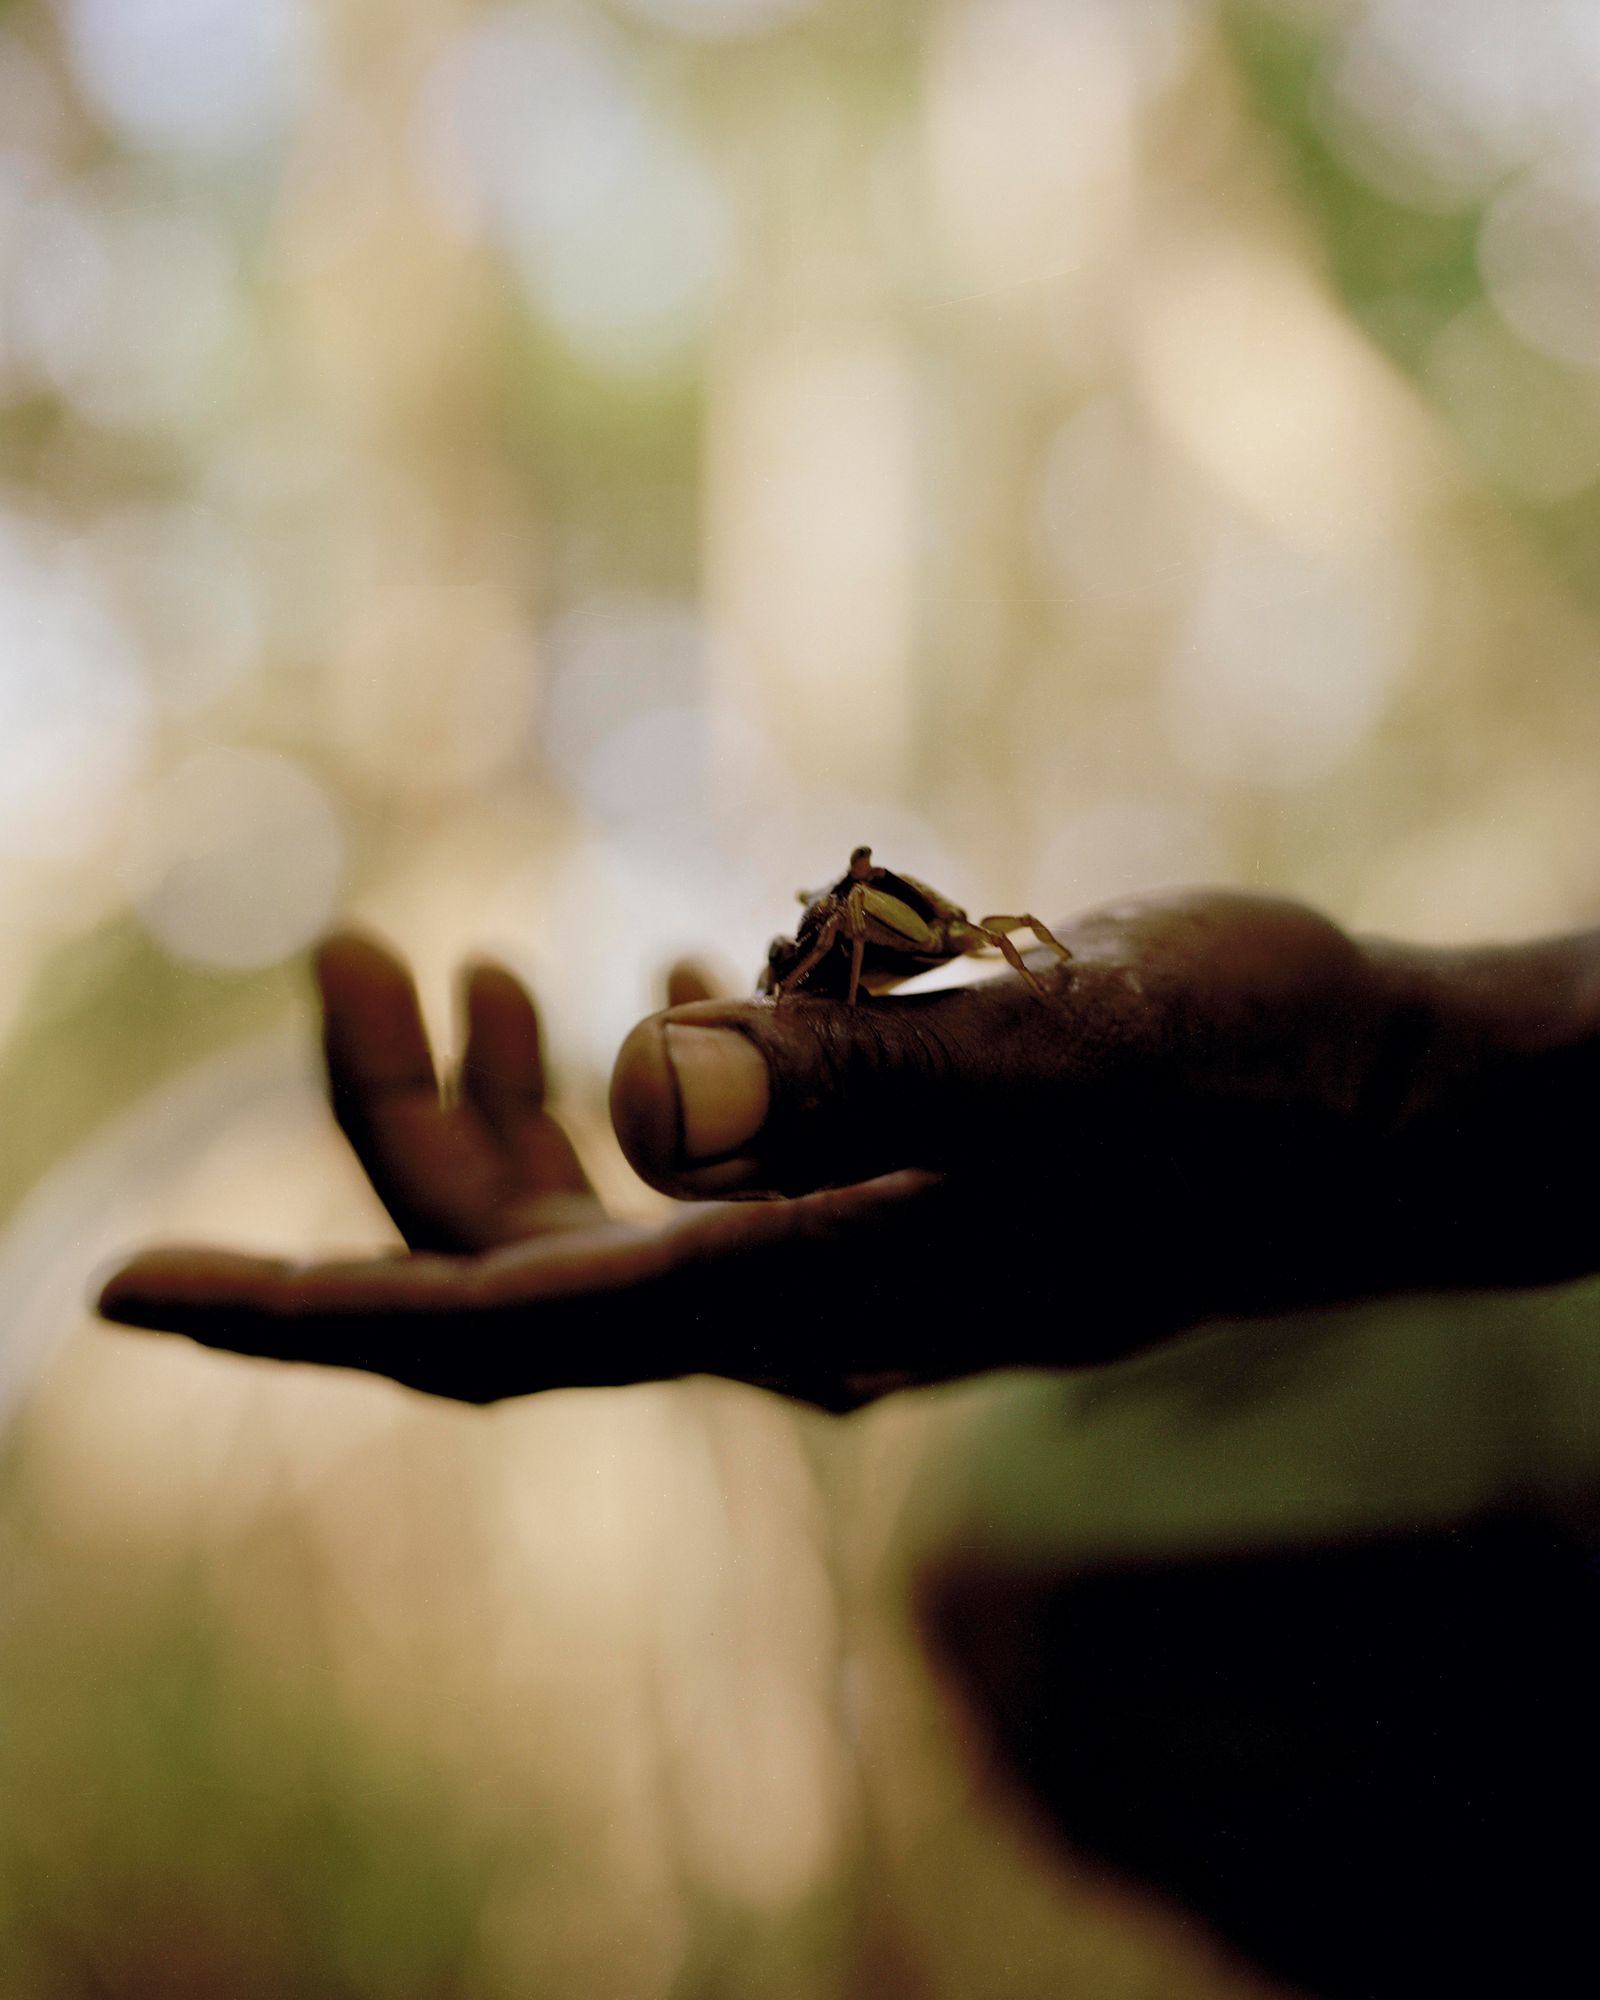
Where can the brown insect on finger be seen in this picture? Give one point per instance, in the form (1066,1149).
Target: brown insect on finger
(895,927)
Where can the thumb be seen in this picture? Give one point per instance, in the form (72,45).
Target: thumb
(725,1097)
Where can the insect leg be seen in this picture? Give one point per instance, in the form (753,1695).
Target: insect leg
(1013,958)
(1009,952)
(819,951)
(1027,924)
(855,908)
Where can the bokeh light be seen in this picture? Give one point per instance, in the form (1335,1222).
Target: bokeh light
(74,706)
(1435,107)
(188,598)
(237,859)
(721,17)
(536,130)
(552,478)
(431,685)
(1280,670)
(812,550)
(1121,518)
(624,722)
(208,77)
(1539,252)
(126,305)
(1030,113)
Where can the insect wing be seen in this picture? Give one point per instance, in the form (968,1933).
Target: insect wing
(935,904)
(898,918)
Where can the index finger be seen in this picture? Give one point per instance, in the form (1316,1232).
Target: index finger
(719,1290)
(373,1035)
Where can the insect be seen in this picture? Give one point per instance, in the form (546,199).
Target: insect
(873,928)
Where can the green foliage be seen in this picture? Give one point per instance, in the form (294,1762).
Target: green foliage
(110,1016)
(1403,271)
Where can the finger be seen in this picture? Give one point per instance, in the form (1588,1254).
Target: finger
(502,1078)
(719,1290)
(502,1066)
(689,980)
(1169,1008)
(373,1034)
(385,1095)
(420,1320)
(721,1097)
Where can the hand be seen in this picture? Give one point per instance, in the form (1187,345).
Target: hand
(1225,1105)
(517,1280)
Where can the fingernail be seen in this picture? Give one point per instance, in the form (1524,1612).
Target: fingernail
(724,1090)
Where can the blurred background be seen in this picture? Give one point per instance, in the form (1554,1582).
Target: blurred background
(553,478)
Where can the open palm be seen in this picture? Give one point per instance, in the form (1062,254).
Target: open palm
(516,1279)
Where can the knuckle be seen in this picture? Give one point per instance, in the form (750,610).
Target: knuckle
(869,1087)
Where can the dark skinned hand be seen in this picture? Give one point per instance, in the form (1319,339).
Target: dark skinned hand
(1222,1106)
